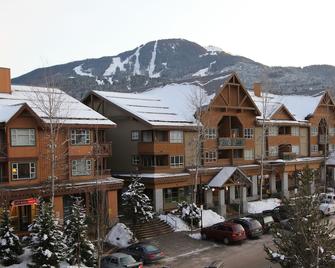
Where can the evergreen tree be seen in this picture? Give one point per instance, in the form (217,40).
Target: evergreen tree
(46,239)
(305,242)
(137,205)
(10,246)
(80,249)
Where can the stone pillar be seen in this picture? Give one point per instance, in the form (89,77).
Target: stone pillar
(59,208)
(284,184)
(232,194)
(209,198)
(273,188)
(112,206)
(254,190)
(222,202)
(158,200)
(243,200)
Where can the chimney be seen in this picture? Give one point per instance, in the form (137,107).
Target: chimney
(257,89)
(5,85)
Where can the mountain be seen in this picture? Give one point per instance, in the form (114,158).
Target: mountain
(176,61)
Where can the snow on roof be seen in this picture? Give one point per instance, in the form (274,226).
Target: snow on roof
(70,111)
(153,175)
(300,106)
(169,105)
(220,179)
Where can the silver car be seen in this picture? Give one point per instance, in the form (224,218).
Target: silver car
(120,260)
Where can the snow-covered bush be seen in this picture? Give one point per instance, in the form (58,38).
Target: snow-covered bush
(189,212)
(137,205)
(10,246)
(120,236)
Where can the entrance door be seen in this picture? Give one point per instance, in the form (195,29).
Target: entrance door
(24,217)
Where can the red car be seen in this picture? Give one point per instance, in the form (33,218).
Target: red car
(224,231)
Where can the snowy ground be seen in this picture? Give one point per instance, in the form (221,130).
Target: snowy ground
(266,204)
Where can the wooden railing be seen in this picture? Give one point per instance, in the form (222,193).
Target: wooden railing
(230,142)
(102,148)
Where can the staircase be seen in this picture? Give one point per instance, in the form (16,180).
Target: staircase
(153,228)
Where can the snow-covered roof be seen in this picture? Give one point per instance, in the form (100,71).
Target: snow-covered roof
(224,175)
(70,111)
(299,106)
(170,105)
(153,175)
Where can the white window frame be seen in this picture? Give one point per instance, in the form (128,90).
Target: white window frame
(331,147)
(135,159)
(273,131)
(176,136)
(176,161)
(295,131)
(273,151)
(248,133)
(28,133)
(135,135)
(331,131)
(78,134)
(314,148)
(248,154)
(210,133)
(85,162)
(16,166)
(210,156)
(314,131)
(296,149)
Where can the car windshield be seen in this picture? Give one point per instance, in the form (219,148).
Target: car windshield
(150,248)
(326,201)
(127,260)
(267,219)
(255,224)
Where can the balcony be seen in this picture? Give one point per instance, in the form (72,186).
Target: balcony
(103,172)
(3,151)
(227,143)
(323,139)
(287,155)
(102,149)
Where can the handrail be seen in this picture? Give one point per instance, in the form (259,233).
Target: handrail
(175,222)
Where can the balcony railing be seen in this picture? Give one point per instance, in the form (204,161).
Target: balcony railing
(3,150)
(103,172)
(287,155)
(231,142)
(323,139)
(102,149)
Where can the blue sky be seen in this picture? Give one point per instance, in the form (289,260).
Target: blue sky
(39,33)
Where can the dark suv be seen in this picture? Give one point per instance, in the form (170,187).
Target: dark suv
(251,226)
(278,213)
(265,220)
(224,231)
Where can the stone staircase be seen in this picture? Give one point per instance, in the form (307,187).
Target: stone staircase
(153,228)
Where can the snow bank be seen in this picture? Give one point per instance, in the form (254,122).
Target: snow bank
(210,217)
(260,206)
(120,236)
(175,222)
(196,236)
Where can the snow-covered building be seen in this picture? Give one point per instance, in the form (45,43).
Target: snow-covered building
(156,137)
(80,159)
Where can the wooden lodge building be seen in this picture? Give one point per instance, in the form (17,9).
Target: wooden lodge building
(81,152)
(156,134)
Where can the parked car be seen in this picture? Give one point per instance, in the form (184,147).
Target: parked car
(119,260)
(265,220)
(251,226)
(327,207)
(216,264)
(144,252)
(224,231)
(278,213)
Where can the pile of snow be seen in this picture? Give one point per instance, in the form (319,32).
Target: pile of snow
(196,236)
(175,222)
(120,236)
(210,217)
(266,204)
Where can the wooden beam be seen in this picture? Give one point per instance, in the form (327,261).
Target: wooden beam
(224,99)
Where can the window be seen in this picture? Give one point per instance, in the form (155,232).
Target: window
(314,148)
(22,137)
(210,156)
(331,147)
(135,135)
(147,136)
(210,133)
(81,167)
(273,131)
(135,160)
(176,136)
(296,149)
(248,154)
(314,131)
(80,136)
(294,131)
(161,136)
(331,131)
(273,150)
(248,133)
(22,171)
(177,161)
(155,160)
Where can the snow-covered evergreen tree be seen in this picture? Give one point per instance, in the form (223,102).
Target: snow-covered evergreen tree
(80,250)
(306,241)
(189,212)
(46,238)
(10,246)
(137,205)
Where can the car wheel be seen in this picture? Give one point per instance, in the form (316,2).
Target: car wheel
(203,236)
(226,241)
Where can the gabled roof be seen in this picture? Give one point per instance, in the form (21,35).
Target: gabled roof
(70,112)
(159,107)
(227,173)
